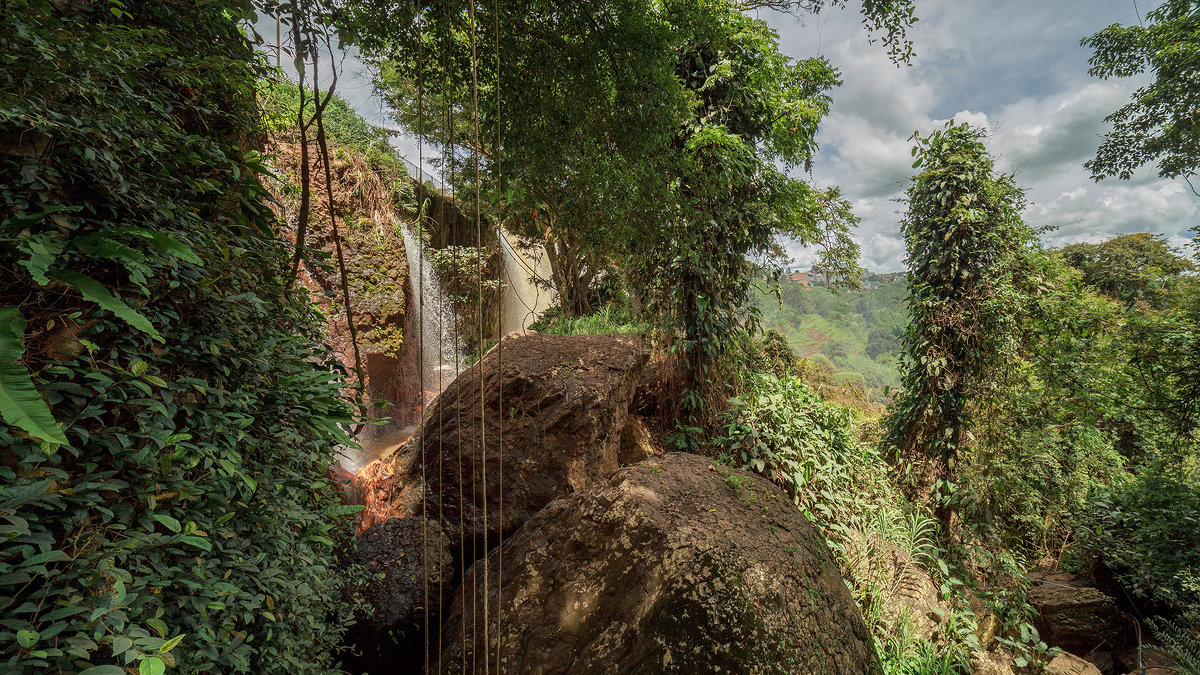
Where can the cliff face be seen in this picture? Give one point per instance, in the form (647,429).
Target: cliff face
(365,208)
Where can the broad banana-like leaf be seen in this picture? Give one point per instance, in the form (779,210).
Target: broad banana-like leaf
(21,405)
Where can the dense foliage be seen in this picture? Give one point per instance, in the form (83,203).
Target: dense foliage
(163,494)
(1134,268)
(782,430)
(965,240)
(1147,532)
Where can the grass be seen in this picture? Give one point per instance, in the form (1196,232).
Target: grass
(608,319)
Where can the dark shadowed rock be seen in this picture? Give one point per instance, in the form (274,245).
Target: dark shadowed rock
(393,549)
(636,444)
(671,566)
(549,422)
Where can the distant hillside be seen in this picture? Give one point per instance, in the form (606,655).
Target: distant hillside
(857,333)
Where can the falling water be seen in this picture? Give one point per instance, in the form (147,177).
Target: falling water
(432,341)
(524,301)
(441,355)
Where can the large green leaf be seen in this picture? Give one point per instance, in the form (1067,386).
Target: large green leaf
(94,291)
(43,250)
(163,243)
(20,404)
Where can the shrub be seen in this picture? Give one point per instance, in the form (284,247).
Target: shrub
(782,430)
(1147,533)
(607,319)
(173,507)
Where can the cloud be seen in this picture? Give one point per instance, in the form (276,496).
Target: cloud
(1015,69)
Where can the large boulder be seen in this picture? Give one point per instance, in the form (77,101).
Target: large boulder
(539,417)
(675,565)
(1078,618)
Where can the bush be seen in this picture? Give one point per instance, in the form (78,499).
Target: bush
(608,319)
(780,429)
(172,509)
(1147,533)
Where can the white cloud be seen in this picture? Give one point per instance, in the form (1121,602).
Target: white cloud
(1014,68)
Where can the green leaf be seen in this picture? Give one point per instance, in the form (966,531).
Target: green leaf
(159,626)
(94,291)
(20,404)
(43,250)
(172,643)
(152,665)
(170,523)
(198,542)
(27,638)
(176,248)
(103,670)
(120,645)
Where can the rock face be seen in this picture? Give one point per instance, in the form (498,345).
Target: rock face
(1078,618)
(907,591)
(549,422)
(636,445)
(991,663)
(674,565)
(1069,664)
(394,550)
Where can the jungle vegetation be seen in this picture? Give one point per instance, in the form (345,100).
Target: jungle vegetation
(171,406)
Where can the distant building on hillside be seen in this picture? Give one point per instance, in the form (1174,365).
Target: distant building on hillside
(810,278)
(797,277)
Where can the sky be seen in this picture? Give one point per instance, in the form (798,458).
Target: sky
(1014,68)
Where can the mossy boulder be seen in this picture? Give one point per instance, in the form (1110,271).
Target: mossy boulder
(675,565)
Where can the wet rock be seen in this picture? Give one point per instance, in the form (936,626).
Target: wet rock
(549,422)
(674,565)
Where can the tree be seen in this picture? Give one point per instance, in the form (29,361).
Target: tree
(1134,268)
(572,119)
(755,113)
(581,117)
(192,409)
(965,240)
(1159,123)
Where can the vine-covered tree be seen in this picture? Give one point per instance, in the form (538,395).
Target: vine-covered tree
(755,114)
(965,240)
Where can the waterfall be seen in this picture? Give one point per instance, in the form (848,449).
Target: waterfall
(523,301)
(433,358)
(432,310)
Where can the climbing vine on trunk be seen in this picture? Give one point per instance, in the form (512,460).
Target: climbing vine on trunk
(965,241)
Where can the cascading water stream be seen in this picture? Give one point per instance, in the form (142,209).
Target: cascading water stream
(441,357)
(524,300)
(433,359)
